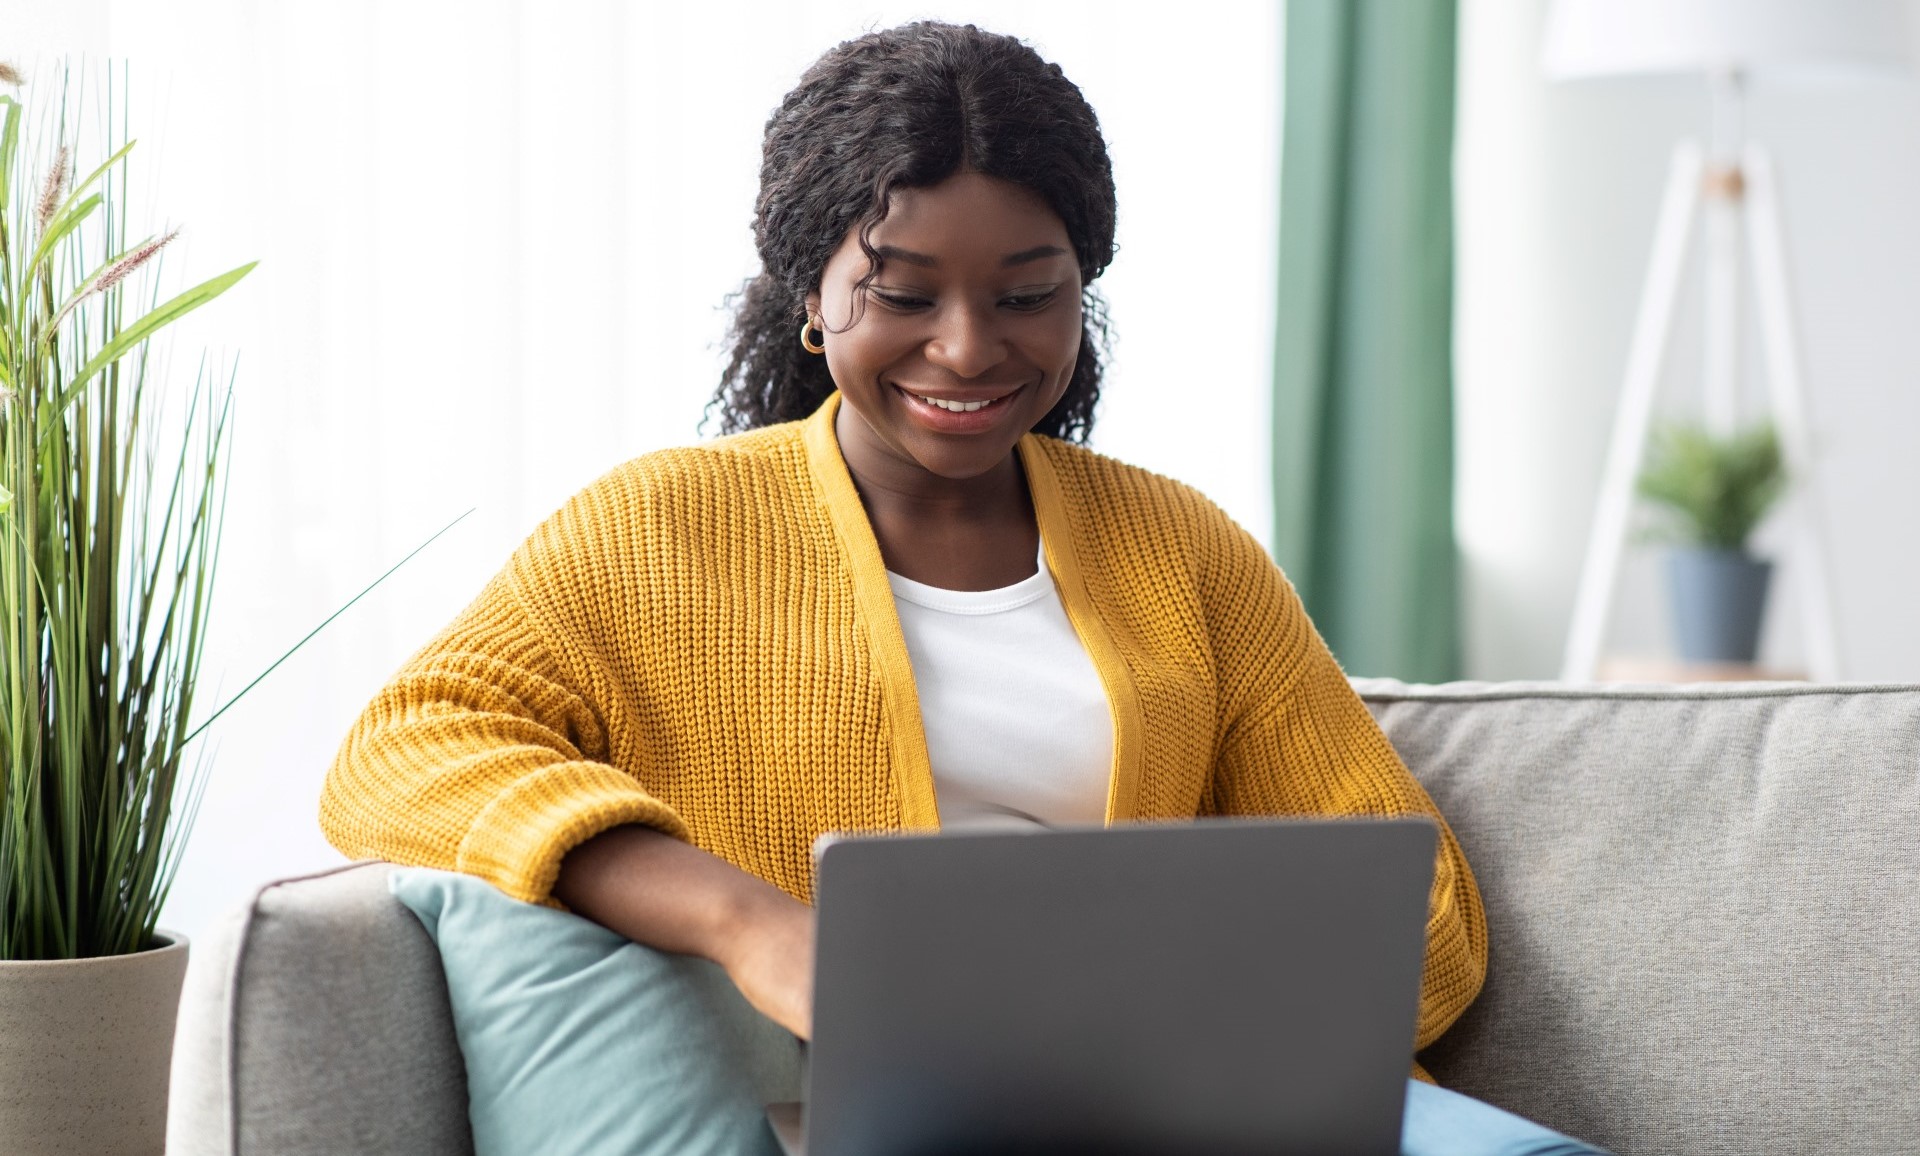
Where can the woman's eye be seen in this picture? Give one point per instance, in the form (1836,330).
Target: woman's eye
(895,299)
(900,300)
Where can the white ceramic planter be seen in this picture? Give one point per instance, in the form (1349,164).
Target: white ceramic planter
(84,1052)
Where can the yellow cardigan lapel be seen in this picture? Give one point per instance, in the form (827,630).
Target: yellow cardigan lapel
(1123,698)
(873,599)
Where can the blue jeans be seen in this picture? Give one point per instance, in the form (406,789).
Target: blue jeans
(1443,1123)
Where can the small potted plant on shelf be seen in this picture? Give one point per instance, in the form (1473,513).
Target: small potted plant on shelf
(110,512)
(1715,491)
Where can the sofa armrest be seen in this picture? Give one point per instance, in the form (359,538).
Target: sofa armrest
(315,1020)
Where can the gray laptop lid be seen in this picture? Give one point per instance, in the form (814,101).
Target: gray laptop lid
(1227,986)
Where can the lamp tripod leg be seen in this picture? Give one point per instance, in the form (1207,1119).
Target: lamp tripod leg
(1780,347)
(1652,323)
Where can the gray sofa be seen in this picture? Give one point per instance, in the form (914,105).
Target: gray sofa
(1704,907)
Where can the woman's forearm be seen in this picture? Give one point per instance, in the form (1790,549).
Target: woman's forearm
(661,892)
(672,896)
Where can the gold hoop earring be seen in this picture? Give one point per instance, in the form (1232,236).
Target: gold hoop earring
(807,343)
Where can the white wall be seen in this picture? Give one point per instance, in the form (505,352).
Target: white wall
(494,238)
(1557,191)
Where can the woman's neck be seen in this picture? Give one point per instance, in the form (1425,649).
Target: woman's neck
(975,533)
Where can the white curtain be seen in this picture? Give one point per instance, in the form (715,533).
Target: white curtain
(495,239)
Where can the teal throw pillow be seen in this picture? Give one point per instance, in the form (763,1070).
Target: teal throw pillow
(578,1040)
(1443,1123)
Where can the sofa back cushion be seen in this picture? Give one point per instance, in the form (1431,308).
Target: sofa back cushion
(1703,907)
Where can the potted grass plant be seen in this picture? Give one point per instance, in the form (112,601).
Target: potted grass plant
(110,513)
(1715,491)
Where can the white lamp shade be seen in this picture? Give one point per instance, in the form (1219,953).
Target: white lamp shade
(1596,38)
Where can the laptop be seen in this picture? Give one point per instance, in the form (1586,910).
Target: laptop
(1226,986)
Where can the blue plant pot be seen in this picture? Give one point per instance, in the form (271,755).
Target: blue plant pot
(1719,597)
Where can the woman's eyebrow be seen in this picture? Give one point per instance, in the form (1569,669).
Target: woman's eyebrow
(926,261)
(895,253)
(1033,254)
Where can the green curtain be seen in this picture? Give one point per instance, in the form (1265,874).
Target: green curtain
(1363,397)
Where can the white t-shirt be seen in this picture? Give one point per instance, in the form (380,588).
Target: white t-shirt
(1018,729)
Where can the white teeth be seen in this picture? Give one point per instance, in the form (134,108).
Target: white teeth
(956,406)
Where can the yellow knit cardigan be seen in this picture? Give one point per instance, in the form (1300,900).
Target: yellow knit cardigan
(704,641)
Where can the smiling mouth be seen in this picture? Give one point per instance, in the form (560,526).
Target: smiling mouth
(956,405)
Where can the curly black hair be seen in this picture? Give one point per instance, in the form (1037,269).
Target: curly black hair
(903,108)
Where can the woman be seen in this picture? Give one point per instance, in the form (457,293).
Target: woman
(898,596)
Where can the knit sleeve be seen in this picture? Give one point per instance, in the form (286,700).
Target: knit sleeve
(1297,740)
(481,756)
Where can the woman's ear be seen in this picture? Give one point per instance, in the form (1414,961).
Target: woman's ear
(813,305)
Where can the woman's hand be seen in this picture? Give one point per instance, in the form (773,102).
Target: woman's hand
(672,896)
(769,957)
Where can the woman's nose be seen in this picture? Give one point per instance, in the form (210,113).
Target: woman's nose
(966,341)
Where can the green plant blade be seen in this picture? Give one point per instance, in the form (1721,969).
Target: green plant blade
(84,286)
(9,145)
(63,222)
(323,625)
(159,318)
(73,197)
(119,155)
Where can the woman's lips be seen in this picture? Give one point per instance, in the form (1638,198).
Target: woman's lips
(940,419)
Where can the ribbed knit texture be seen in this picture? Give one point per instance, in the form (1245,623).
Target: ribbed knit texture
(704,641)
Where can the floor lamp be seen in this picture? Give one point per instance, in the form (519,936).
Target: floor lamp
(1729,182)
